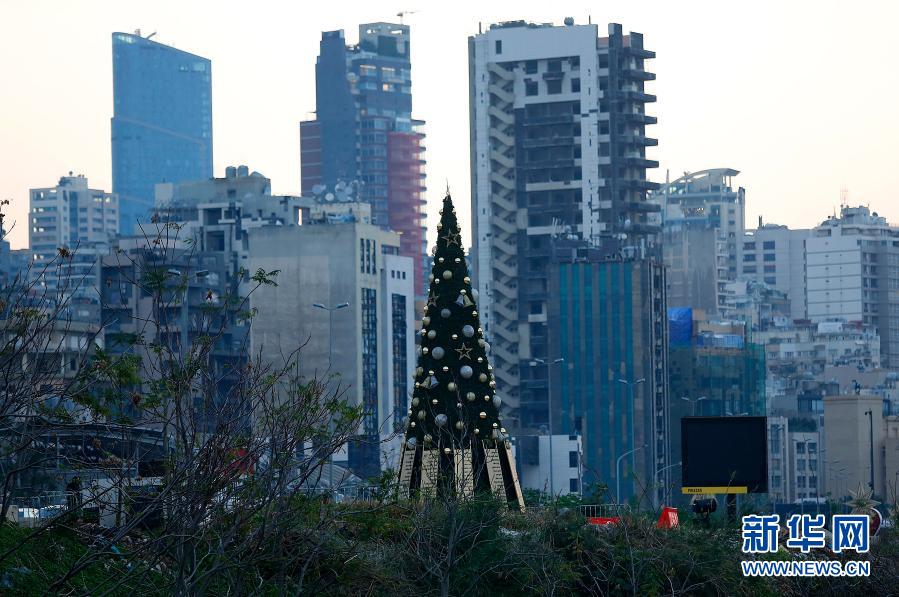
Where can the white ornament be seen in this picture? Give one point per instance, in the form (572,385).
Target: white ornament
(412,442)
(467,331)
(437,352)
(440,420)
(447,275)
(445,313)
(466,371)
(497,401)
(432,334)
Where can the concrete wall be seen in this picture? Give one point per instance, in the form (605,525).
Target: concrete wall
(847,439)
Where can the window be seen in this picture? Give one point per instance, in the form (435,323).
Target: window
(749,246)
(770,280)
(749,257)
(499,46)
(749,269)
(575,85)
(370,362)
(530,87)
(572,459)
(400,383)
(573,485)
(770,269)
(530,67)
(768,245)
(554,66)
(769,256)
(554,87)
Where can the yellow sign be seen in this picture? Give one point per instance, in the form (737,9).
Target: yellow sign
(714,490)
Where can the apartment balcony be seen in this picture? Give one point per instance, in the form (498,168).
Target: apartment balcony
(638,184)
(638,52)
(639,118)
(643,206)
(639,140)
(638,96)
(640,162)
(560,140)
(637,74)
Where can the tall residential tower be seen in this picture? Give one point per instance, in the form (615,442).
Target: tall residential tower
(558,150)
(161,124)
(364,137)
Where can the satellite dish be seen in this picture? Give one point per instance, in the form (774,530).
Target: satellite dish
(318,189)
(339,186)
(352,77)
(329,197)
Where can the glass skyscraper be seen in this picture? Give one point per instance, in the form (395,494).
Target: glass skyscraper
(161,124)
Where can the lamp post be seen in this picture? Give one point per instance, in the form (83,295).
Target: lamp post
(870,415)
(662,470)
(694,401)
(631,385)
(330,311)
(549,408)
(618,473)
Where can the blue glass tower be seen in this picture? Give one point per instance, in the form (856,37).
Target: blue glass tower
(161,124)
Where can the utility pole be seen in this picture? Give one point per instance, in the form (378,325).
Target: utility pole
(633,407)
(330,311)
(870,414)
(549,408)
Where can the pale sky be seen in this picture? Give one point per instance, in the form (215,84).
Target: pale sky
(798,96)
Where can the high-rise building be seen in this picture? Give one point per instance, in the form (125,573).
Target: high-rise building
(611,388)
(775,255)
(346,296)
(851,274)
(702,217)
(558,148)
(364,132)
(75,218)
(161,124)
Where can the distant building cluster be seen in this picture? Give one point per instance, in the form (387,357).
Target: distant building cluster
(614,306)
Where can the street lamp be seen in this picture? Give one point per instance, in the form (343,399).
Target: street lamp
(694,401)
(631,384)
(870,415)
(549,408)
(662,470)
(618,473)
(330,311)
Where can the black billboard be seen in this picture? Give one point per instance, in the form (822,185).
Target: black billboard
(724,455)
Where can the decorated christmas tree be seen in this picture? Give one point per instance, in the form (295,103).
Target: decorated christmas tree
(455,443)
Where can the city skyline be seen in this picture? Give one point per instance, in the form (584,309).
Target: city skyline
(824,106)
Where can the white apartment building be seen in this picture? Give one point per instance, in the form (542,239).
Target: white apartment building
(775,255)
(74,217)
(852,274)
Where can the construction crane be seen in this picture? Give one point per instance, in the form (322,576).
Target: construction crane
(403,13)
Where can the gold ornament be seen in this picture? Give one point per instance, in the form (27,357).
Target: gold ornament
(483,415)
(482,377)
(470,396)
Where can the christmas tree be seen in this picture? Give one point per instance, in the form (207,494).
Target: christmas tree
(455,443)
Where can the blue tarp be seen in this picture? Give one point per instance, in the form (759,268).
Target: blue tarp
(680,326)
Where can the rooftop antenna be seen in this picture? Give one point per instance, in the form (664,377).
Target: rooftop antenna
(844,196)
(403,13)
(151,35)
